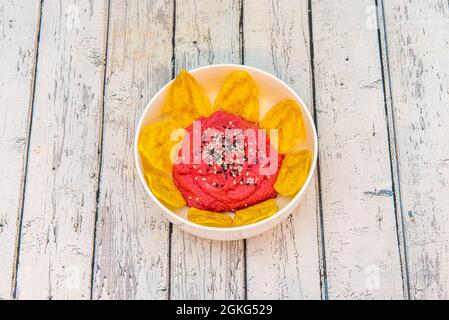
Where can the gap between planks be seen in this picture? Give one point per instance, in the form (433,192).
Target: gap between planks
(242,61)
(27,152)
(100,147)
(392,143)
(320,220)
(170,224)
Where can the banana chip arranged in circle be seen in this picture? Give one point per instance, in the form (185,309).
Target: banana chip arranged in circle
(155,144)
(163,187)
(186,100)
(239,96)
(210,219)
(293,173)
(255,213)
(287,118)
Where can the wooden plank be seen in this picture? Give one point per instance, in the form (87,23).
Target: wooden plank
(206,32)
(132,241)
(55,255)
(18,43)
(362,255)
(284,263)
(417,34)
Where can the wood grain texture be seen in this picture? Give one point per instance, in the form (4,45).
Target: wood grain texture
(283,263)
(79,167)
(206,32)
(417,39)
(60,197)
(362,254)
(132,243)
(19,25)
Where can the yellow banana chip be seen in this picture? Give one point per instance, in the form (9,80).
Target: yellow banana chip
(163,187)
(155,144)
(255,213)
(293,173)
(287,118)
(210,219)
(239,96)
(186,100)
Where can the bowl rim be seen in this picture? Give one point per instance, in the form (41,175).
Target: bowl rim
(287,207)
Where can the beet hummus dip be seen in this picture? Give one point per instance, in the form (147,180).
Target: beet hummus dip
(224,169)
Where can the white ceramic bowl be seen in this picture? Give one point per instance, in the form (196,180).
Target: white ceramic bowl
(271,91)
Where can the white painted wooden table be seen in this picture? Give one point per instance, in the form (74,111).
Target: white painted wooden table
(76,74)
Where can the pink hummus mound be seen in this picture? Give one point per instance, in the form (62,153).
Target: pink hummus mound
(223,173)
